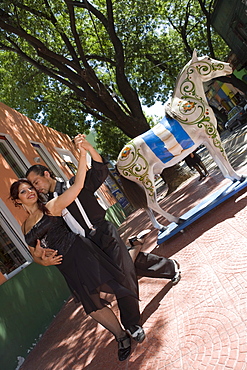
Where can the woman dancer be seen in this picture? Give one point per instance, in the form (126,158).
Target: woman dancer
(86,269)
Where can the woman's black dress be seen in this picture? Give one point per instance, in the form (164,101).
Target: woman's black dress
(87,269)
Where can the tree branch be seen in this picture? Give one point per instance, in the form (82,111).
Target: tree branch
(55,23)
(75,34)
(84,82)
(41,67)
(208,24)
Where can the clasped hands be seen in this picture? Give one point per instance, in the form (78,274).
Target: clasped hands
(81,142)
(46,256)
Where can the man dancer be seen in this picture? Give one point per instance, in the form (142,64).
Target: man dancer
(90,216)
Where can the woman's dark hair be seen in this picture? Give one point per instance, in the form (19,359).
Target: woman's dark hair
(14,195)
(39,170)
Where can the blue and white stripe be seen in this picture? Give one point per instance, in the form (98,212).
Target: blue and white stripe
(167,139)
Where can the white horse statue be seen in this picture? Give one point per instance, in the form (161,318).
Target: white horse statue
(189,122)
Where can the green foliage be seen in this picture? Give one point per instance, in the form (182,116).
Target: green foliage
(21,84)
(39,97)
(109,140)
(142,53)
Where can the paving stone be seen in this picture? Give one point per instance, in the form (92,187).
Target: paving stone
(199,324)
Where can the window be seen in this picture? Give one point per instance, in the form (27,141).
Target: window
(48,159)
(10,257)
(13,156)
(69,159)
(14,254)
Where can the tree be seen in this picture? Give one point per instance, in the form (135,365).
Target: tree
(64,55)
(75,63)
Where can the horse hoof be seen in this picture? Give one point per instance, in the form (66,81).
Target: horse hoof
(242,179)
(162,229)
(180,221)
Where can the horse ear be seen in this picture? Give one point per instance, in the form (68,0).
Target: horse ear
(194,55)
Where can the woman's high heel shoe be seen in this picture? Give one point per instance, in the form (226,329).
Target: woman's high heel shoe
(124,347)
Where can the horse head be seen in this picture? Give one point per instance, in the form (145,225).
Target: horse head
(189,103)
(208,68)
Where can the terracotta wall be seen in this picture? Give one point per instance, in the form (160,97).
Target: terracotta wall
(21,324)
(22,130)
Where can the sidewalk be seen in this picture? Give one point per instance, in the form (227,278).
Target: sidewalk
(198,324)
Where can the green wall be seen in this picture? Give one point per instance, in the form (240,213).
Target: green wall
(30,300)
(28,303)
(115,214)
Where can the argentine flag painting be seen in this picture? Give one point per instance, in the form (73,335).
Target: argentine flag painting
(167,139)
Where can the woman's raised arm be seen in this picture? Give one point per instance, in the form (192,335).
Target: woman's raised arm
(56,205)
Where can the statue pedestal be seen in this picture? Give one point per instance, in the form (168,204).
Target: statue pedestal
(199,210)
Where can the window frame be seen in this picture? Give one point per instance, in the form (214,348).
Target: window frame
(67,152)
(52,161)
(62,151)
(13,230)
(18,155)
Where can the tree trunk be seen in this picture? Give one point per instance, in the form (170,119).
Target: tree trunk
(174,176)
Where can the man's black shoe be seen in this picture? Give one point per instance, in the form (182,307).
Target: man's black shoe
(136,332)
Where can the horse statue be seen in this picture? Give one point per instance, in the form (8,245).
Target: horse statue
(189,122)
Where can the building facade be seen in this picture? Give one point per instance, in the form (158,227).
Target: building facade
(229,19)
(30,294)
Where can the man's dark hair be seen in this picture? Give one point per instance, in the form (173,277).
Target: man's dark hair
(39,170)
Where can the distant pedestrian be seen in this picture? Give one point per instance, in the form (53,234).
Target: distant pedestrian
(193,160)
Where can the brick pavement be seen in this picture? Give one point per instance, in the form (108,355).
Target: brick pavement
(198,324)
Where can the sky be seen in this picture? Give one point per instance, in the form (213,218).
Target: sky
(156,110)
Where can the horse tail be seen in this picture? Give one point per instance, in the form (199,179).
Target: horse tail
(133,192)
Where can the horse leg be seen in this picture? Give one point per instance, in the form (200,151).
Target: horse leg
(155,223)
(222,162)
(155,207)
(153,204)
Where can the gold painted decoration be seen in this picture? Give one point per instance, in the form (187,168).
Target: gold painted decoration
(133,164)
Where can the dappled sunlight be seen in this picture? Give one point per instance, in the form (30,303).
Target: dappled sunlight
(75,312)
(175,318)
(241,197)
(72,336)
(222,213)
(26,130)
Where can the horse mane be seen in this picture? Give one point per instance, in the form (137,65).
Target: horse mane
(168,109)
(178,77)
